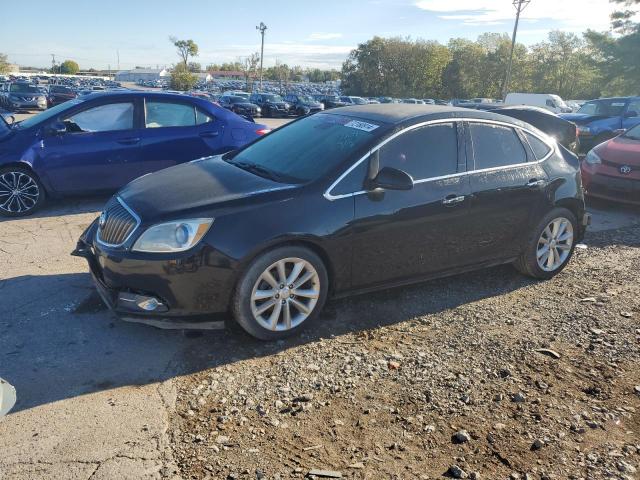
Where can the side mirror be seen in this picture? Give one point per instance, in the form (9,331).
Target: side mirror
(630,114)
(57,128)
(10,119)
(392,179)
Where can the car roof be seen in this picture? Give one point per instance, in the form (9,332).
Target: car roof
(399,113)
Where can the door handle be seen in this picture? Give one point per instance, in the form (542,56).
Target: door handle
(453,200)
(129,141)
(534,183)
(208,134)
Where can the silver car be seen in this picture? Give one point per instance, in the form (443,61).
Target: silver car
(23,96)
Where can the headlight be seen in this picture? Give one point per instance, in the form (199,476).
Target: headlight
(175,236)
(258,109)
(593,158)
(286,105)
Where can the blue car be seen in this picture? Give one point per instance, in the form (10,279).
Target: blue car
(602,119)
(102,141)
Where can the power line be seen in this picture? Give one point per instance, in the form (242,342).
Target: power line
(520,6)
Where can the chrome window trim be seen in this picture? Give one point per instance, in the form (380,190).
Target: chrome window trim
(133,214)
(546,140)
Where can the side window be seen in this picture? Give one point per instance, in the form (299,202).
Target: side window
(551,103)
(423,152)
(495,146)
(540,149)
(202,117)
(634,106)
(166,114)
(353,181)
(104,118)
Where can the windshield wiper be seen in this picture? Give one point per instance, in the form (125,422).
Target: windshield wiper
(258,170)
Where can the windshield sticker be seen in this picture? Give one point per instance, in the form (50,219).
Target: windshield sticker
(617,104)
(367,127)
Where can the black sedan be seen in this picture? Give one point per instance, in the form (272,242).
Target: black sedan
(239,105)
(356,199)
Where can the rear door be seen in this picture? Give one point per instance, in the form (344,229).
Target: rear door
(507,190)
(403,235)
(175,132)
(100,140)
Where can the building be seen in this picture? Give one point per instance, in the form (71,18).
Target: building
(204,77)
(227,75)
(145,74)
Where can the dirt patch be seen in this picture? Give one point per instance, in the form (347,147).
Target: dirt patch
(452,378)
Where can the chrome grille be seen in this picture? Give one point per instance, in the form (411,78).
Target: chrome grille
(117,223)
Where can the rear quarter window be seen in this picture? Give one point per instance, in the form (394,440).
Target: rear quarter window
(540,149)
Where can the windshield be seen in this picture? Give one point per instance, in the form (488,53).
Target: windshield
(359,101)
(237,100)
(306,99)
(23,88)
(633,134)
(272,98)
(47,114)
(607,108)
(306,149)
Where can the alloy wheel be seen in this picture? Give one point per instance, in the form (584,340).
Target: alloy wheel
(554,245)
(19,192)
(285,294)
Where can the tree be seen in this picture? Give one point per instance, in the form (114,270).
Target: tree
(185,48)
(68,67)
(4,63)
(194,67)
(248,67)
(181,78)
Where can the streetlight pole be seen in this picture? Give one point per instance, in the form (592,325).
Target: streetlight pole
(262,28)
(520,6)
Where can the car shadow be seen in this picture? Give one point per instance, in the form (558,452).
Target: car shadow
(66,206)
(58,341)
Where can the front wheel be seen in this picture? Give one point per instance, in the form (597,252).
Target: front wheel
(551,246)
(21,192)
(281,292)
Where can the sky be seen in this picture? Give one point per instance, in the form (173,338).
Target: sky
(316,33)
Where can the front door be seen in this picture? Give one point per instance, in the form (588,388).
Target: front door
(93,152)
(403,235)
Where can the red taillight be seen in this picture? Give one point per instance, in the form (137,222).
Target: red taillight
(263,131)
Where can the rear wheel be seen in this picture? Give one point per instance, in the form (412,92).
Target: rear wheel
(551,246)
(280,293)
(21,192)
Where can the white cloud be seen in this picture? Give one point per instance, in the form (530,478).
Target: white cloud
(575,15)
(324,36)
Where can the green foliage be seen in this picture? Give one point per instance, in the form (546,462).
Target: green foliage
(181,78)
(565,64)
(185,48)
(194,67)
(68,67)
(4,63)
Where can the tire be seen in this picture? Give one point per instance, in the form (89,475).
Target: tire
(529,262)
(253,295)
(32,192)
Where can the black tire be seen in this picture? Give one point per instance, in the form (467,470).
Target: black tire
(5,208)
(527,263)
(242,301)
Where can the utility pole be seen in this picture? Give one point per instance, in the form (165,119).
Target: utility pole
(118,55)
(262,28)
(53,63)
(520,6)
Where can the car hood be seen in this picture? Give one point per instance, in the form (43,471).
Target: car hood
(312,104)
(620,150)
(195,186)
(581,118)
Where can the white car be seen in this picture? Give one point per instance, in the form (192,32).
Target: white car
(544,100)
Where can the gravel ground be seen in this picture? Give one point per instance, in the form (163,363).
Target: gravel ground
(487,375)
